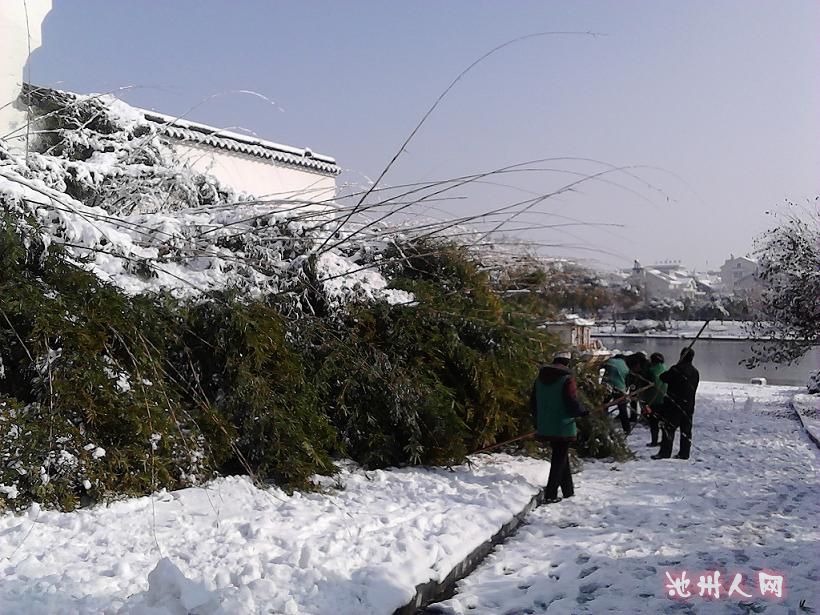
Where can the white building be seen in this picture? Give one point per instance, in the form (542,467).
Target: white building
(264,169)
(739,275)
(572,331)
(20,34)
(655,283)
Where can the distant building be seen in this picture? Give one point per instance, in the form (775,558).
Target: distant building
(739,276)
(572,331)
(666,282)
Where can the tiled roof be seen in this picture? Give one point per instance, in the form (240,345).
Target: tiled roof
(203,134)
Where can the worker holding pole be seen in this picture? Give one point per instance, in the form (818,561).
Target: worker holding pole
(682,381)
(555,406)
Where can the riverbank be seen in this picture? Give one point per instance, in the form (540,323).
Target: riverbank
(680,329)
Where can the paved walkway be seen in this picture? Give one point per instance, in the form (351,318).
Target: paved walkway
(747,502)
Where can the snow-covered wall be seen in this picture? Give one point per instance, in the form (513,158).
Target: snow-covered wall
(259,177)
(20,34)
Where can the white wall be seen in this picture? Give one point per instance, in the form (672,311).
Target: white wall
(734,270)
(257,176)
(20,32)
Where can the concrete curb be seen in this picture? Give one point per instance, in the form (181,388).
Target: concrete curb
(436,591)
(812,436)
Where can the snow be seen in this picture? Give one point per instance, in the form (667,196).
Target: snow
(232,548)
(813,385)
(149,223)
(808,407)
(728,329)
(745,502)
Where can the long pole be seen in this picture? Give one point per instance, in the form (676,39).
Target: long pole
(603,408)
(692,343)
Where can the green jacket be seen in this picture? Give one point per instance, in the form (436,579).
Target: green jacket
(555,405)
(660,386)
(615,371)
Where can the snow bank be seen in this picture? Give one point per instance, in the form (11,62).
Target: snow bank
(232,548)
(639,326)
(728,329)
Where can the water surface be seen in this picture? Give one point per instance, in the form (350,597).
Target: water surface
(718,360)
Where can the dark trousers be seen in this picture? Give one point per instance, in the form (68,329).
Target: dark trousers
(685,434)
(560,474)
(654,425)
(671,419)
(623,410)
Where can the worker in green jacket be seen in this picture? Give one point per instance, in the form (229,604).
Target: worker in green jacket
(658,395)
(555,405)
(615,373)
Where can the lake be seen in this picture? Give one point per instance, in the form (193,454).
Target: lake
(718,360)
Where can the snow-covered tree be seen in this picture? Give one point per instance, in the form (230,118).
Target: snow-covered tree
(788,313)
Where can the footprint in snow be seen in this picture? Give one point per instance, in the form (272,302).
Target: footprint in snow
(582,559)
(587,571)
(643,573)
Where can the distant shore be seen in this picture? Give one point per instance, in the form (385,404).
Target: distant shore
(680,336)
(679,329)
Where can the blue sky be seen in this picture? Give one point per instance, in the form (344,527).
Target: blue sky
(720,99)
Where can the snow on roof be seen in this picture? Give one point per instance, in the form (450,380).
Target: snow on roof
(748,259)
(203,134)
(572,319)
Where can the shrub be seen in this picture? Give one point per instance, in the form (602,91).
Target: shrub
(596,437)
(80,385)
(430,382)
(240,359)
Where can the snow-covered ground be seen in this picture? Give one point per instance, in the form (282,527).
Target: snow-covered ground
(233,549)
(716,329)
(808,407)
(746,502)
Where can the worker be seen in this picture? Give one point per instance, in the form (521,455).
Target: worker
(555,406)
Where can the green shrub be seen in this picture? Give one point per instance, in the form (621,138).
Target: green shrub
(596,437)
(241,361)
(80,378)
(429,382)
(103,394)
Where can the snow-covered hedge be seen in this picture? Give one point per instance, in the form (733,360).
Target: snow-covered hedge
(104,184)
(814,382)
(157,330)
